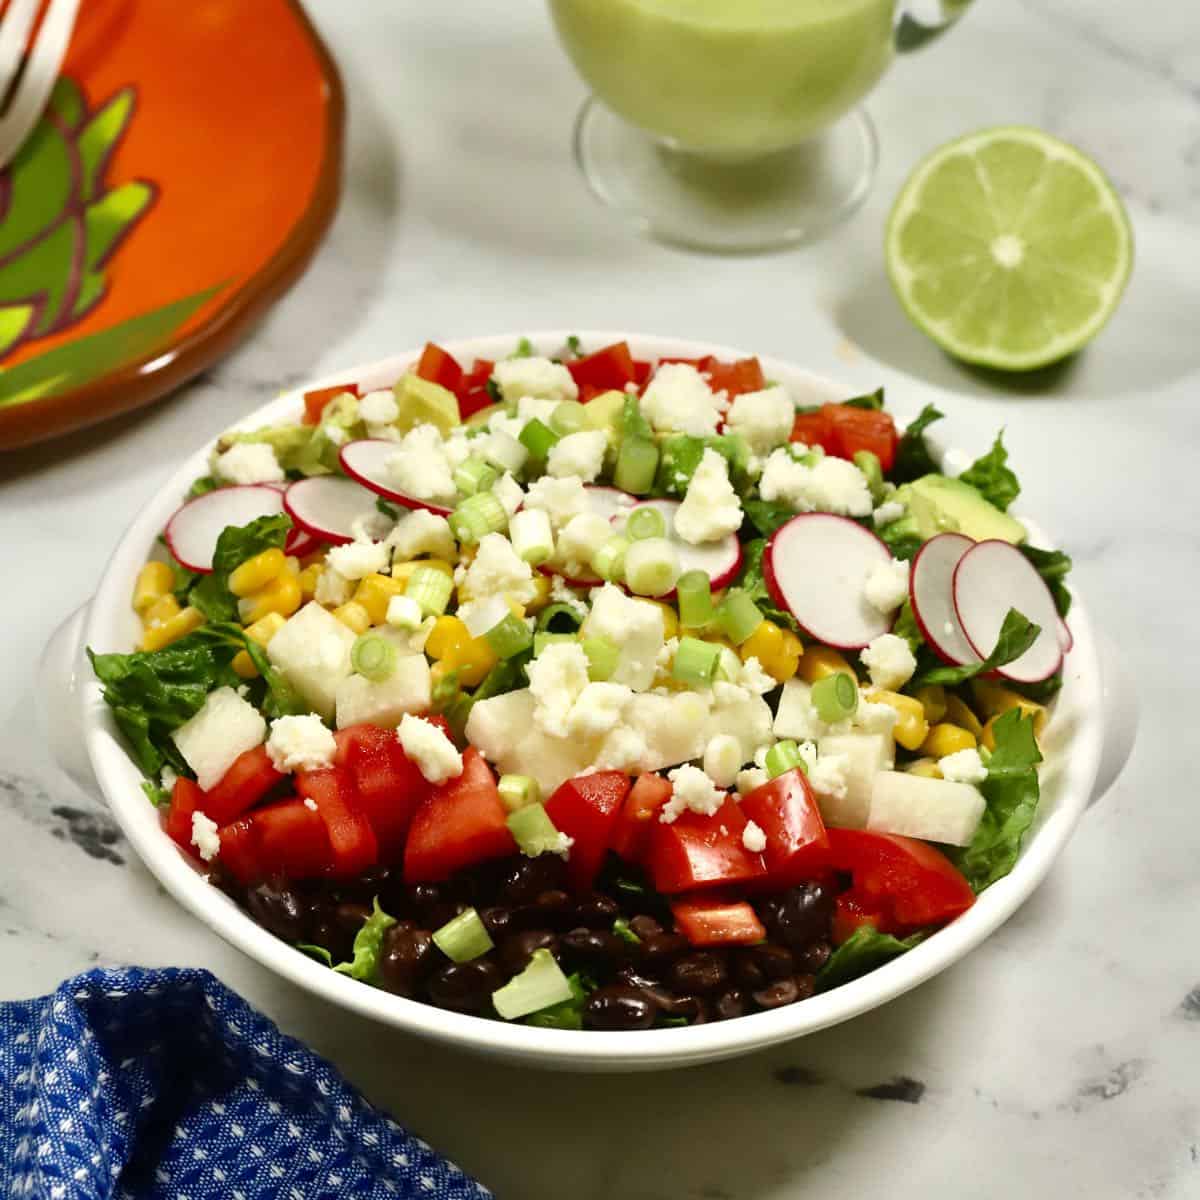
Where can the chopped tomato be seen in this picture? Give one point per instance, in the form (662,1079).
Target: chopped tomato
(814,429)
(354,844)
(640,810)
(736,378)
(716,922)
(910,881)
(315,401)
(604,370)
(285,839)
(460,823)
(642,370)
(586,809)
(844,429)
(186,798)
(388,785)
(853,909)
(785,810)
(696,851)
(473,391)
(438,367)
(249,778)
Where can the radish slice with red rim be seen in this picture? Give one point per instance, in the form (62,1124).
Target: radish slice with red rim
(193,531)
(299,541)
(931,593)
(325,507)
(1066,639)
(365,461)
(719,560)
(991,578)
(816,567)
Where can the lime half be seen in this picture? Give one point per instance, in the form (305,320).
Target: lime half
(1009,248)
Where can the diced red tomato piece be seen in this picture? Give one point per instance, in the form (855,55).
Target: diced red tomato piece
(856,429)
(854,908)
(604,369)
(785,810)
(473,391)
(354,844)
(249,778)
(696,851)
(586,809)
(436,366)
(911,880)
(642,370)
(706,921)
(736,378)
(285,839)
(316,400)
(460,823)
(641,808)
(814,429)
(186,798)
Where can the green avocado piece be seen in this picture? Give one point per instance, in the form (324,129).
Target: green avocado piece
(422,402)
(939,504)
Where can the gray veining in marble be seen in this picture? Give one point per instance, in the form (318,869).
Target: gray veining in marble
(1062,1057)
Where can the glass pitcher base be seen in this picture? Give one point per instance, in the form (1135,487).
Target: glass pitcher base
(782,199)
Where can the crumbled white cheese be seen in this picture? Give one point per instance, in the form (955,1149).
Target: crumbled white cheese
(753,838)
(403,612)
(422,532)
(419,467)
(691,791)
(887,512)
(535,408)
(579,540)
(679,400)
(167,779)
(248,462)
(723,759)
(764,419)
(332,589)
(557,678)
(370,527)
(635,627)
(205,836)
(379,407)
(561,594)
(597,709)
(300,743)
(753,678)
(561,499)
(963,766)
(828,485)
(457,447)
(498,570)
(509,492)
(889,660)
(625,749)
(533,377)
(223,727)
(711,509)
(580,454)
(887,586)
(827,774)
(434,753)
(310,804)
(357,560)
(502,450)
(749,779)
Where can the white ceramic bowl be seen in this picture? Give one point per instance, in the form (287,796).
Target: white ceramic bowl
(1071,776)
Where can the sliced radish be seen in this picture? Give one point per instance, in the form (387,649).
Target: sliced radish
(299,541)
(816,566)
(326,507)
(193,531)
(720,560)
(607,502)
(1066,639)
(366,461)
(931,591)
(991,578)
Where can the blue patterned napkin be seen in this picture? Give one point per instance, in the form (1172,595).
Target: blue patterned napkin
(164,1085)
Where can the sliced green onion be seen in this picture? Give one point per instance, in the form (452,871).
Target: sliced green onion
(444,692)
(474,475)
(868,463)
(540,985)
(622,930)
(694,593)
(538,438)
(480,615)
(518,791)
(738,616)
(695,662)
(531,535)
(602,656)
(478,516)
(637,462)
(651,567)
(604,411)
(431,589)
(558,618)
(542,640)
(729,666)
(645,522)
(835,697)
(783,756)
(609,561)
(533,831)
(463,937)
(373,657)
(509,637)
(568,417)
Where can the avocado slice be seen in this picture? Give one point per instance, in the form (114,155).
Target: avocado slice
(939,504)
(421,402)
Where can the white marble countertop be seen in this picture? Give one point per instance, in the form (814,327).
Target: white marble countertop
(1063,1055)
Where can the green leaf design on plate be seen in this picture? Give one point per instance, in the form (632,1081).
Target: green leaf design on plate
(66,102)
(97,137)
(40,183)
(45,270)
(14,321)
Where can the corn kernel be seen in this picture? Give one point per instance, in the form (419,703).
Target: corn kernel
(282,595)
(262,631)
(474,661)
(163,609)
(243,666)
(186,621)
(911,728)
(437,673)
(946,739)
(451,644)
(375,592)
(778,650)
(926,768)
(958,712)
(541,593)
(154,581)
(994,701)
(255,573)
(933,700)
(670,618)
(447,635)
(354,616)
(820,661)
(308,581)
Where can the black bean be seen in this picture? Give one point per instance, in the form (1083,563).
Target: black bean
(701,971)
(634,977)
(805,986)
(690,1007)
(281,909)
(812,958)
(517,949)
(618,1007)
(406,957)
(497,920)
(776,962)
(658,948)
(798,916)
(747,970)
(644,926)
(596,910)
(465,987)
(525,878)
(336,926)
(777,994)
(433,904)
(729,1004)
(591,947)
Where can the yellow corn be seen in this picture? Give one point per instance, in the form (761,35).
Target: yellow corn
(541,593)
(154,581)
(163,609)
(670,618)
(243,665)
(994,701)
(451,644)
(375,592)
(911,728)
(820,661)
(308,580)
(282,595)
(255,573)
(477,658)
(402,571)
(958,712)
(946,739)
(447,635)
(927,768)
(263,630)
(778,650)
(354,616)
(933,701)
(180,625)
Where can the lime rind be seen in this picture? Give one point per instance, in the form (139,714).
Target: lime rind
(1009,248)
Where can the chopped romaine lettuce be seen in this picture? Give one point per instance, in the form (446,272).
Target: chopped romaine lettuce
(864,950)
(991,476)
(1052,566)
(368,945)
(1017,634)
(913,458)
(236,544)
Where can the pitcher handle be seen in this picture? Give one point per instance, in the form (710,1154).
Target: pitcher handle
(60,699)
(919,22)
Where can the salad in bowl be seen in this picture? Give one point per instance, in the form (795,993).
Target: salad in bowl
(591,692)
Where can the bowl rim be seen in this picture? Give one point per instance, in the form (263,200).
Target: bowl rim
(117,776)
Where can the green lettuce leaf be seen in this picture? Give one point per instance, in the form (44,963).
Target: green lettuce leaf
(864,950)
(872,401)
(906,627)
(751,580)
(156,793)
(1052,566)
(318,952)
(901,539)
(1017,634)
(991,476)
(566,1015)
(236,544)
(279,699)
(913,458)
(368,945)
(680,455)
(766,516)
(201,487)
(1012,792)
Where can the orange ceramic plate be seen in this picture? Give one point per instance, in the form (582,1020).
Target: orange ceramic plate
(185,172)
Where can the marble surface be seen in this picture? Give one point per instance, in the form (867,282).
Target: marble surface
(1063,1055)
